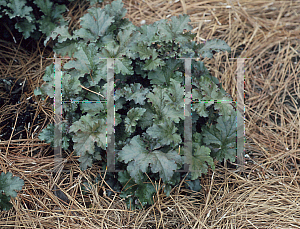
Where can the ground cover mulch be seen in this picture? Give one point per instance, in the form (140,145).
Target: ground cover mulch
(266,194)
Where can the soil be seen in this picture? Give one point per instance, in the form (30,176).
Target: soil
(13,125)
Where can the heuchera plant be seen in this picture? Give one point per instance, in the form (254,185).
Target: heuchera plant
(149,101)
(20,15)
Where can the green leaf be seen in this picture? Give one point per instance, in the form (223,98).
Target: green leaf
(197,161)
(125,179)
(127,39)
(85,34)
(87,61)
(5,205)
(209,90)
(93,2)
(70,86)
(66,48)
(95,22)
(45,6)
(132,150)
(172,182)
(135,173)
(199,69)
(53,12)
(18,9)
(213,45)
(37,91)
(132,192)
(47,135)
(149,34)
(133,116)
(225,109)
(174,29)
(116,10)
(88,130)
(92,108)
(145,193)
(25,27)
(200,108)
(154,62)
(164,74)
(162,110)
(61,32)
(8,184)
(147,119)
(136,92)
(123,66)
(109,47)
(48,87)
(165,132)
(85,160)
(144,51)
(223,134)
(193,185)
(46,25)
(189,50)
(164,163)
(175,97)
(3,3)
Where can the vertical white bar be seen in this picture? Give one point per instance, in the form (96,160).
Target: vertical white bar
(240,113)
(58,113)
(188,110)
(110,116)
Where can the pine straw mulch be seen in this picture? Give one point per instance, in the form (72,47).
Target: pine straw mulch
(265,195)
